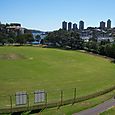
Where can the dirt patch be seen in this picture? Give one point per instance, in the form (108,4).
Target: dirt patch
(11,56)
(85,103)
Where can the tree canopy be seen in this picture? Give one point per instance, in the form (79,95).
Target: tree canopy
(64,39)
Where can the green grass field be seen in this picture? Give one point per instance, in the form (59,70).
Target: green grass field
(111,111)
(32,68)
(70,109)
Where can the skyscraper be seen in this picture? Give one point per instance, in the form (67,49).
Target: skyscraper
(102,25)
(69,26)
(64,25)
(81,25)
(108,24)
(75,27)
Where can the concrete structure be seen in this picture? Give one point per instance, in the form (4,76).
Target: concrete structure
(64,25)
(81,25)
(16,28)
(69,26)
(102,25)
(41,36)
(98,33)
(111,39)
(108,24)
(86,35)
(75,27)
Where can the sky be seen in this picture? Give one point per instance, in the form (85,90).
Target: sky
(47,15)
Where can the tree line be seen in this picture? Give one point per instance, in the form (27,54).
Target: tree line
(60,39)
(13,36)
(20,39)
(64,39)
(71,40)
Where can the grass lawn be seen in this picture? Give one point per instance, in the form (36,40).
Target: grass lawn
(111,111)
(32,68)
(70,109)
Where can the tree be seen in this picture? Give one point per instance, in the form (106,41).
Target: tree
(24,38)
(28,37)
(3,38)
(102,49)
(10,40)
(64,39)
(42,41)
(104,42)
(37,37)
(110,50)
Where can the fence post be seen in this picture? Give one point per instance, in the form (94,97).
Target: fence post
(11,103)
(46,99)
(27,101)
(61,97)
(74,98)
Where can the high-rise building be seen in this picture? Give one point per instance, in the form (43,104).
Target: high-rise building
(69,26)
(75,27)
(108,24)
(102,25)
(64,25)
(81,25)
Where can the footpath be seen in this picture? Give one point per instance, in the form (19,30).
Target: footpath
(98,109)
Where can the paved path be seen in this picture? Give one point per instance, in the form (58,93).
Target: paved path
(98,109)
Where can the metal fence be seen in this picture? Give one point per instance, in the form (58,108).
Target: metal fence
(39,99)
(27,100)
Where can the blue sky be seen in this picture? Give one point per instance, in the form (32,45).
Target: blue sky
(48,14)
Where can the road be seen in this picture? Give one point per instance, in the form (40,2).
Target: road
(98,109)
